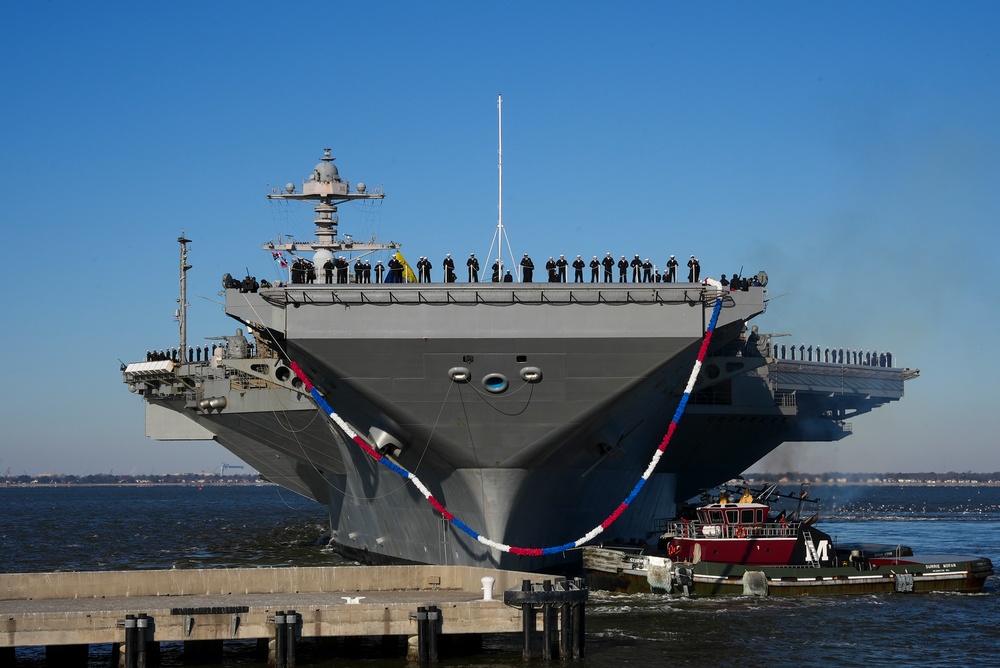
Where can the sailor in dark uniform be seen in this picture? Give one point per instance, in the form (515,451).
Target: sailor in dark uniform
(473,264)
(379,271)
(367,275)
(550,268)
(449,268)
(578,266)
(507,278)
(636,265)
(496,272)
(671,275)
(595,266)
(527,269)
(694,270)
(359,269)
(647,271)
(608,263)
(395,270)
(328,271)
(561,264)
(623,270)
(342,266)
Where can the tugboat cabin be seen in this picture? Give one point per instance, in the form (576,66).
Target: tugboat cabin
(732,520)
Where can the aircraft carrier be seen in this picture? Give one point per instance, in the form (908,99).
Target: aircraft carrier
(528,410)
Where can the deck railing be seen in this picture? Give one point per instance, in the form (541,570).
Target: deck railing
(716,531)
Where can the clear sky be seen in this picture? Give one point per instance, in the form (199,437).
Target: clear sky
(848,149)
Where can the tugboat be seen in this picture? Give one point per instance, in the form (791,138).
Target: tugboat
(745,548)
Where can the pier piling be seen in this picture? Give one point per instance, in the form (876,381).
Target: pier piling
(566,597)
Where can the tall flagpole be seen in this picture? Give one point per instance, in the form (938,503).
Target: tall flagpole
(500,236)
(500,184)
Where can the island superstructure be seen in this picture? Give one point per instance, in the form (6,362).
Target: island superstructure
(528,409)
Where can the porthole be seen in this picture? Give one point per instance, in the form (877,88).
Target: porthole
(495,383)
(282,373)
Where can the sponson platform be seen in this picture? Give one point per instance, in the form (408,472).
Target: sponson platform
(137,610)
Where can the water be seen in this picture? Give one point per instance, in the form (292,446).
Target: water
(97,528)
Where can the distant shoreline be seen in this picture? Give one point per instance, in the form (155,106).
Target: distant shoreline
(755,481)
(207,483)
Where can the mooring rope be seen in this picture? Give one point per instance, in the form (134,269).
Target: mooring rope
(525,551)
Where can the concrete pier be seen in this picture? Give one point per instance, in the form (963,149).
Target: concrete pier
(66,612)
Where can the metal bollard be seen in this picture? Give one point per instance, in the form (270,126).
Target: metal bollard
(488,587)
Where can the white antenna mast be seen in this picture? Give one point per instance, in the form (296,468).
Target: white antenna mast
(500,180)
(501,236)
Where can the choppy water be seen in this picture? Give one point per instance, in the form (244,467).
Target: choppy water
(96,528)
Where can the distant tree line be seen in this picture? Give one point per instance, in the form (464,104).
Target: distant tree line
(836,477)
(115,479)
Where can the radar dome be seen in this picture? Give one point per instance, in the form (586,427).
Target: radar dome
(362,187)
(326,171)
(289,188)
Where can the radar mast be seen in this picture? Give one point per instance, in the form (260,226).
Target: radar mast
(326,188)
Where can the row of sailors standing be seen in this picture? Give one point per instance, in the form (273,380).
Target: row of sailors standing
(194,353)
(642,271)
(834,355)
(336,271)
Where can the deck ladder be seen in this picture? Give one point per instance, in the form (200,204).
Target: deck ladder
(811,557)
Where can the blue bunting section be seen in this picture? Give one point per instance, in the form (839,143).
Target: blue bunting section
(524,551)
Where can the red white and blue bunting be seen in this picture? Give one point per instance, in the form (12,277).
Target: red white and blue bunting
(525,551)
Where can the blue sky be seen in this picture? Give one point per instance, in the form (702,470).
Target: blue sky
(848,149)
